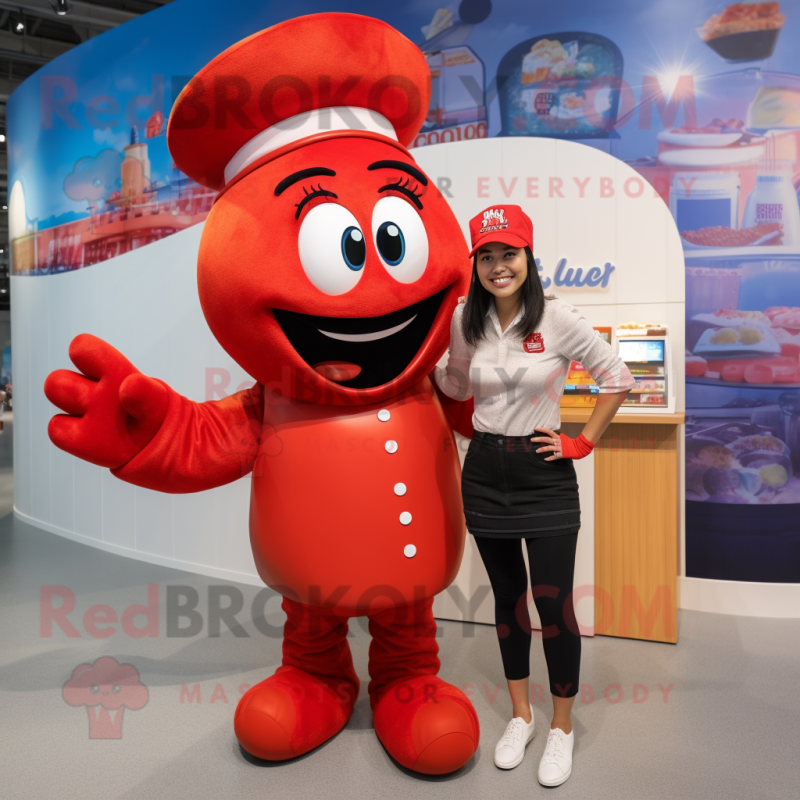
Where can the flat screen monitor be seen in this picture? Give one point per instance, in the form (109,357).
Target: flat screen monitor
(641,350)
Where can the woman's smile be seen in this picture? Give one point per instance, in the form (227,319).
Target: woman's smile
(502,269)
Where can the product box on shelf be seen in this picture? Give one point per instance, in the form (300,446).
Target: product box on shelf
(580,390)
(644,347)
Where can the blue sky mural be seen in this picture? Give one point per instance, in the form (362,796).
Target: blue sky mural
(146,61)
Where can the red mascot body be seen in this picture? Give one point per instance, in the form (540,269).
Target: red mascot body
(328,269)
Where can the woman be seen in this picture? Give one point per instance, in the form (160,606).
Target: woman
(510,349)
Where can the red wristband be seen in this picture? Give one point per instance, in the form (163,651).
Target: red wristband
(575,448)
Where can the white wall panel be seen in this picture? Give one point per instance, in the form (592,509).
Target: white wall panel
(119,513)
(62,485)
(22,320)
(643,224)
(145,304)
(233,527)
(88,500)
(153,515)
(194,528)
(587,231)
(39,442)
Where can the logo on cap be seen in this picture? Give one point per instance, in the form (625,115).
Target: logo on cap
(534,343)
(494,219)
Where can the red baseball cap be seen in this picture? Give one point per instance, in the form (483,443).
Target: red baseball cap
(505,224)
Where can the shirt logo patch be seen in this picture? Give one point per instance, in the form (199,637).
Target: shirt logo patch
(494,219)
(534,343)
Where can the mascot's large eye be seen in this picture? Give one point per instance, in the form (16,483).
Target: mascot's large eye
(400,239)
(332,248)
(354,249)
(391,243)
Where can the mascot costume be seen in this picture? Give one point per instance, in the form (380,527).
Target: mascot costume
(328,268)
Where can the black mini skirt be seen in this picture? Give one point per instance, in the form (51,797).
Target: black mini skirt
(510,491)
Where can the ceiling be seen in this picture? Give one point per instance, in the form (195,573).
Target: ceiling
(31,34)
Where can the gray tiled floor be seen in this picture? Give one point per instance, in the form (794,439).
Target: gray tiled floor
(729,728)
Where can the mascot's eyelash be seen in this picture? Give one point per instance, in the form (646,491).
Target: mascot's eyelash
(411,192)
(310,194)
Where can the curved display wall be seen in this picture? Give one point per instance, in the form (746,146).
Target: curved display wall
(604,241)
(104,231)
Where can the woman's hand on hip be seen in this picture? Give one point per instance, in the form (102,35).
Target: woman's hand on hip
(562,446)
(551,441)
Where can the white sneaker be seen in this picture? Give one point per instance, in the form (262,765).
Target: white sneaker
(510,749)
(556,764)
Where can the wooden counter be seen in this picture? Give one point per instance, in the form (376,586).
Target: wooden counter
(636,524)
(582,415)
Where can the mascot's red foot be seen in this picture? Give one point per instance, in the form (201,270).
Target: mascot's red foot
(427,725)
(291,713)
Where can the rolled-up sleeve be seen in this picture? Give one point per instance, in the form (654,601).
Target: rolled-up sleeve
(584,344)
(454,379)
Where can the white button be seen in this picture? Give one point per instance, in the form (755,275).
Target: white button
(383,415)
(405,518)
(391,446)
(399,489)
(409,551)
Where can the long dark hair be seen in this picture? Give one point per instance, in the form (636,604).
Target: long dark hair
(533,298)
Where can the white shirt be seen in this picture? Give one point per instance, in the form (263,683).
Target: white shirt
(517,385)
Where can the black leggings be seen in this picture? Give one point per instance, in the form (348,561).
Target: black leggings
(552,564)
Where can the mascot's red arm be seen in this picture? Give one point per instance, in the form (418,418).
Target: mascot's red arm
(143,431)
(458,412)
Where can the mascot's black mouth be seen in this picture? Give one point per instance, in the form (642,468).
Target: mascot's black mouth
(381,346)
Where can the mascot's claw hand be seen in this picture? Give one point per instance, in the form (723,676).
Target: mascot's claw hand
(113,411)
